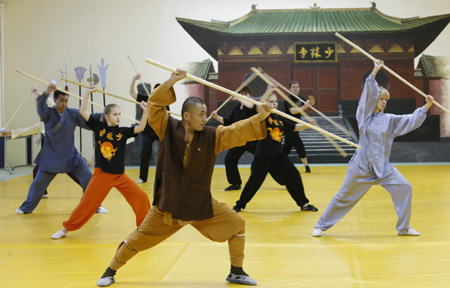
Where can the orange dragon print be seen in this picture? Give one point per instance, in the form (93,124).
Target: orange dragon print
(276,134)
(107,150)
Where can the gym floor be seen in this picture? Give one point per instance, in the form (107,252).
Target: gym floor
(362,250)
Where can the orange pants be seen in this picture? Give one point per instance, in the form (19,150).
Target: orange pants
(99,186)
(225,225)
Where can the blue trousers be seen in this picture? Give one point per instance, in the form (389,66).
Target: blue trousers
(356,184)
(43,179)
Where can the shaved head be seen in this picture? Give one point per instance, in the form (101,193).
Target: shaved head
(191,104)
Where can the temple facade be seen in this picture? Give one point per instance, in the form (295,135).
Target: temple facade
(301,44)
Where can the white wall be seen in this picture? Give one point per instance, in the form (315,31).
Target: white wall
(41,34)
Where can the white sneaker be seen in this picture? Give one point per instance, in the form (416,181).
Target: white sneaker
(45,196)
(59,234)
(101,210)
(408,232)
(240,279)
(317,232)
(139,181)
(18,211)
(106,281)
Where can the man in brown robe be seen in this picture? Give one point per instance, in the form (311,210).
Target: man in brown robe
(182,191)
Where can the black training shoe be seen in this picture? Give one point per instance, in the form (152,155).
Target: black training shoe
(233,187)
(241,279)
(307,169)
(237,208)
(309,207)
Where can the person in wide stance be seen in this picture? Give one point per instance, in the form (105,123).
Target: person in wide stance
(58,153)
(110,144)
(240,112)
(370,165)
(269,156)
(182,191)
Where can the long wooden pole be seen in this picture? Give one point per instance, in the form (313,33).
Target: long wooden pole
(312,107)
(107,93)
(145,87)
(104,92)
(29,93)
(245,83)
(20,107)
(390,71)
(230,92)
(71,94)
(303,113)
(136,71)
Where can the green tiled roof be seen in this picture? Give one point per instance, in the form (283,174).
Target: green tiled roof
(199,69)
(435,67)
(314,20)
(260,25)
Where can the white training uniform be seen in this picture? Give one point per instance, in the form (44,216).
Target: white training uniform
(38,128)
(370,165)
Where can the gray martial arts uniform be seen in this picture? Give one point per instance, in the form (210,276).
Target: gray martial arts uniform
(370,165)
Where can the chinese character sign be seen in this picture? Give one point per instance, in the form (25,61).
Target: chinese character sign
(315,52)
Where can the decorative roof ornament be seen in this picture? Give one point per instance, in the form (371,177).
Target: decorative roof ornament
(315,7)
(254,6)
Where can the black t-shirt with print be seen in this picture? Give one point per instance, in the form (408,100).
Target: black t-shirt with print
(110,144)
(239,114)
(277,127)
(297,102)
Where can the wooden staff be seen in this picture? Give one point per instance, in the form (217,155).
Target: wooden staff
(71,94)
(227,91)
(104,92)
(390,71)
(337,125)
(303,113)
(245,83)
(107,93)
(29,93)
(145,87)
(136,71)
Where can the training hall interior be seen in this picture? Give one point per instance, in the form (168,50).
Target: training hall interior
(225,46)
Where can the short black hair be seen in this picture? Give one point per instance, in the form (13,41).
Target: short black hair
(293,82)
(156,85)
(57,93)
(191,103)
(246,89)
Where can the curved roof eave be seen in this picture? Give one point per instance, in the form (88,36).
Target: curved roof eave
(209,34)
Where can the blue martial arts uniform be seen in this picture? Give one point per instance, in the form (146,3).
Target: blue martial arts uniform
(58,153)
